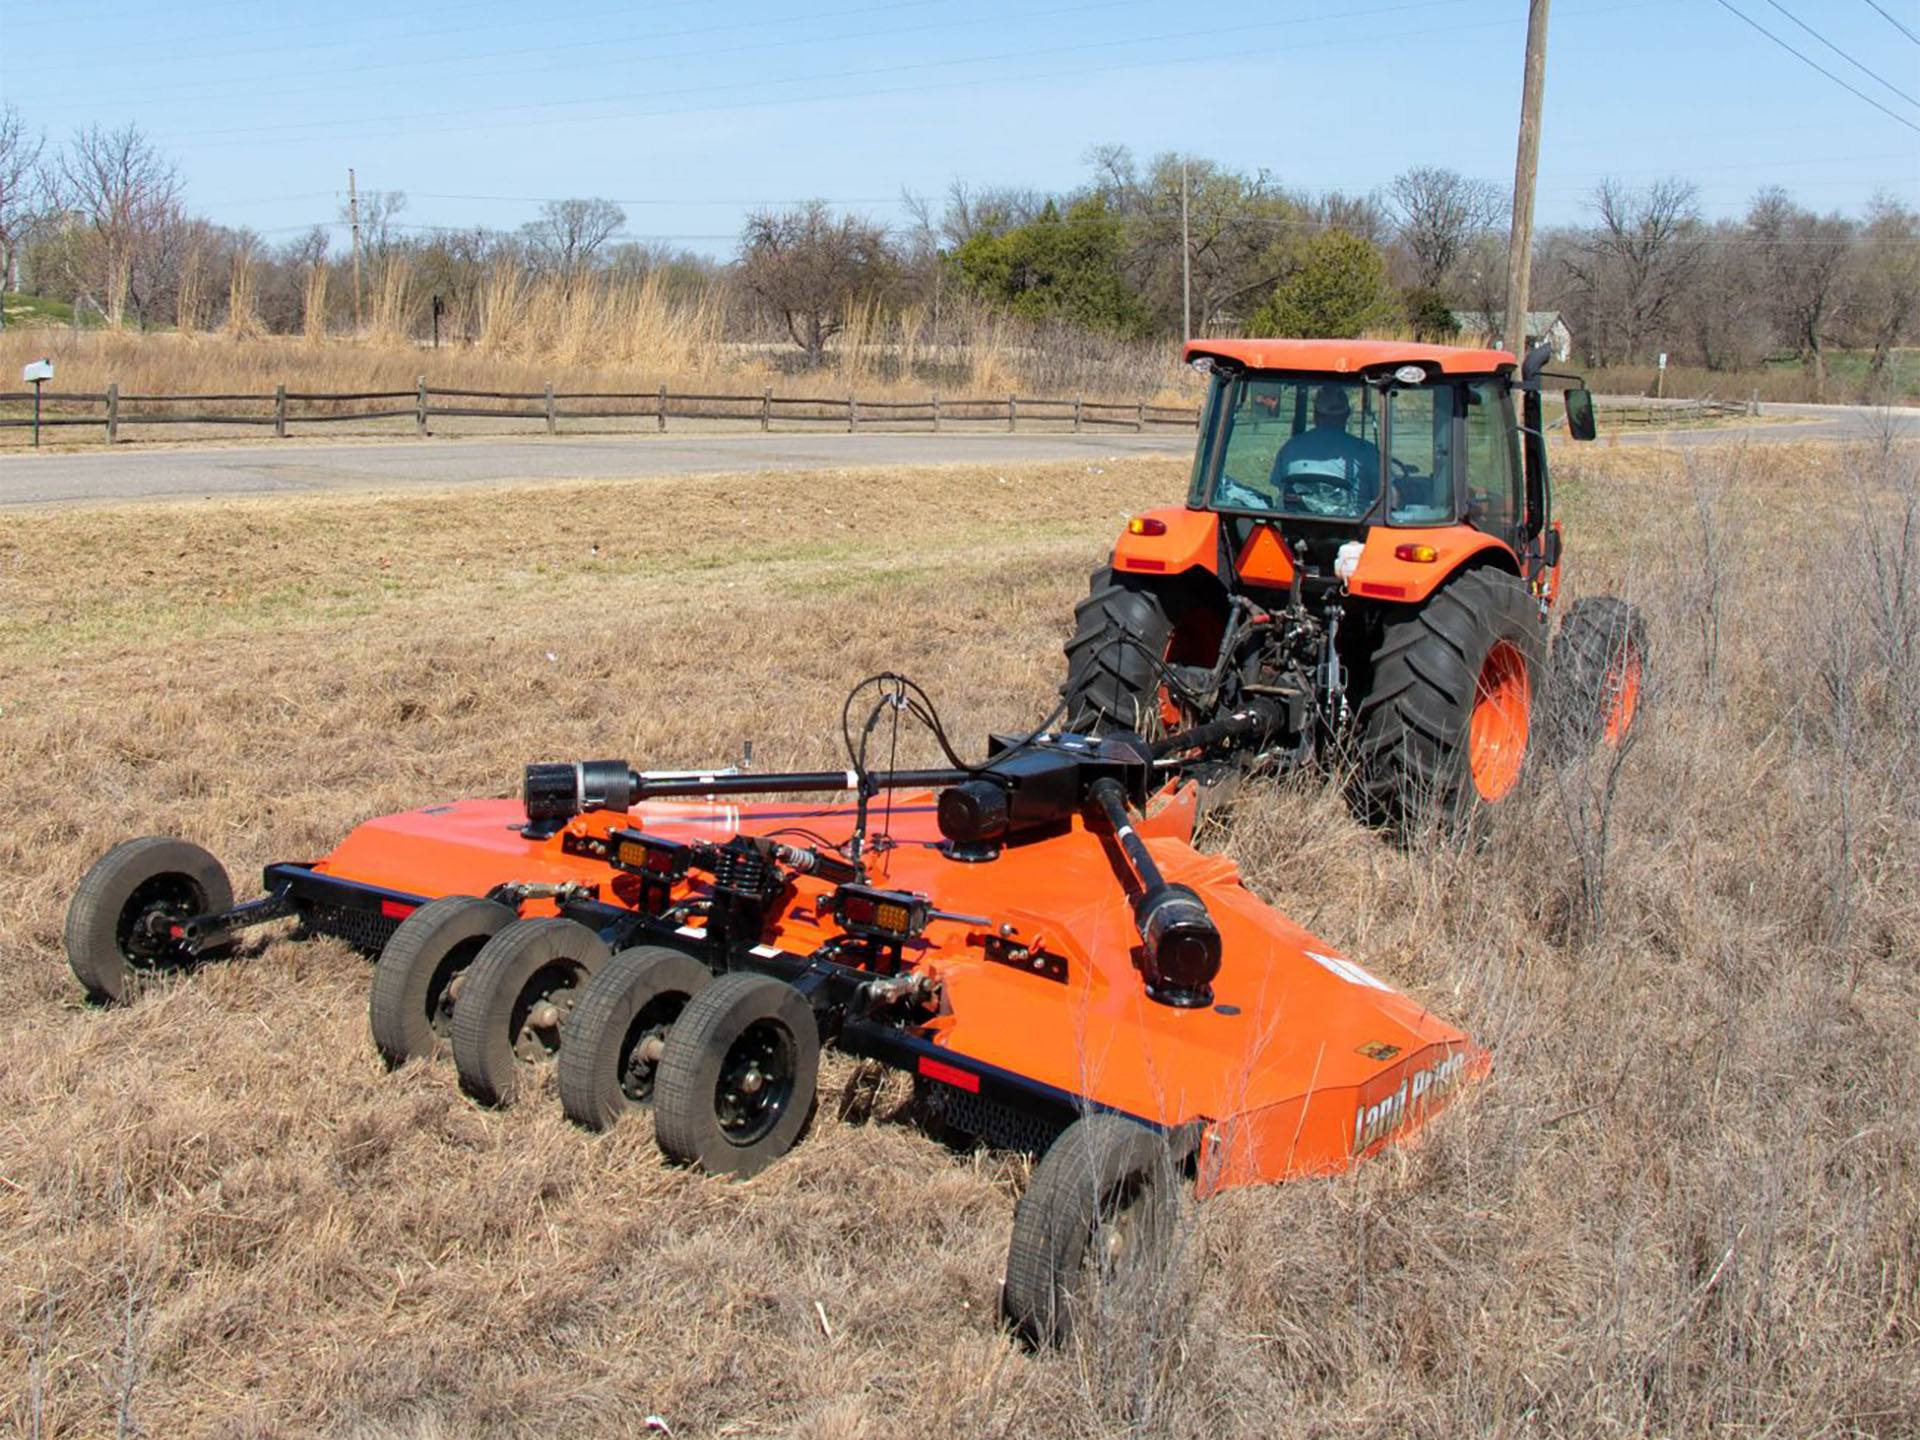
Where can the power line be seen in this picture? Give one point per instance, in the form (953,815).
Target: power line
(1841,53)
(891,69)
(1895,23)
(1808,60)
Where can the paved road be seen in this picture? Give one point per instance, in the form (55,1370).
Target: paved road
(90,476)
(1845,423)
(294,467)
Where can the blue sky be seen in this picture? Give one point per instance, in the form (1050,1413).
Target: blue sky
(690,112)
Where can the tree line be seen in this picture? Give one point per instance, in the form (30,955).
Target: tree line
(1138,251)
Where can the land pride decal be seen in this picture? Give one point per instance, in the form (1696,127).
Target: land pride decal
(1421,1088)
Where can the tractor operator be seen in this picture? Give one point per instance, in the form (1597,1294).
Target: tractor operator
(1324,470)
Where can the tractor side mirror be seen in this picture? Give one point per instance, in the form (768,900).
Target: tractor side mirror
(1580,423)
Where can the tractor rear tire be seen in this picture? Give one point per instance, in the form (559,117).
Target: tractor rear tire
(737,1081)
(410,1009)
(107,939)
(1120,637)
(1446,723)
(1597,673)
(1093,1229)
(502,1027)
(627,1009)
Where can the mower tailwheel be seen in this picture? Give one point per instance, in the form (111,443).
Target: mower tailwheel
(610,1051)
(736,1082)
(1093,1233)
(1121,636)
(420,971)
(1446,721)
(514,1002)
(120,918)
(1598,673)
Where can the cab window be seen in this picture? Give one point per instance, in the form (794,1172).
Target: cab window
(1493,469)
(1420,456)
(1300,446)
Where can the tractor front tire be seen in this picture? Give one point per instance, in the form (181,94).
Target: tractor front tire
(111,921)
(1597,674)
(1093,1230)
(1121,634)
(1445,726)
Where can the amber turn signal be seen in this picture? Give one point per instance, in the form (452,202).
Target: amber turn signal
(1146,525)
(1419,554)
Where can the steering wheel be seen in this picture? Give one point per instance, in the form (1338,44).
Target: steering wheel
(1319,494)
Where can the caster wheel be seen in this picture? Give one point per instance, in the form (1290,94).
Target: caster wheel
(118,922)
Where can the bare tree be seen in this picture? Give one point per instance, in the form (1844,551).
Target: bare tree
(1803,263)
(1885,304)
(1437,214)
(570,233)
(806,265)
(25,191)
(127,194)
(1633,267)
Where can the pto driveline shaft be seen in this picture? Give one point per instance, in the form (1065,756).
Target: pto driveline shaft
(793,782)
(1111,797)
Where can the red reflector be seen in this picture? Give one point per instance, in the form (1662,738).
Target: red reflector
(949,1074)
(396,909)
(1134,563)
(1385,592)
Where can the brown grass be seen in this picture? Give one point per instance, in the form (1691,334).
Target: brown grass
(1687,1203)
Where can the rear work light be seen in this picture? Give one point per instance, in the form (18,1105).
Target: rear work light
(1419,554)
(890,916)
(1146,525)
(651,867)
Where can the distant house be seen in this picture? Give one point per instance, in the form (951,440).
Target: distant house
(1489,328)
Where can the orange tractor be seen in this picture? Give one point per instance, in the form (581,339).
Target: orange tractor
(1030,935)
(1367,557)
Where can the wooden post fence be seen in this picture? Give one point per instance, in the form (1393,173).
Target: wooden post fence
(548,405)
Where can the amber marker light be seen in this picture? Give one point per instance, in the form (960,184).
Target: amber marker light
(1146,525)
(1419,554)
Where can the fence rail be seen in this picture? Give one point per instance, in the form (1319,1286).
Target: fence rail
(284,408)
(112,410)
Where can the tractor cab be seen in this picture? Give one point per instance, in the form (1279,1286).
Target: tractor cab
(1323,442)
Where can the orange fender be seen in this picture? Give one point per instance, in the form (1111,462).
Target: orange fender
(1384,574)
(1169,541)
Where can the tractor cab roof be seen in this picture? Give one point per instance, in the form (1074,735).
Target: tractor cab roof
(1349,357)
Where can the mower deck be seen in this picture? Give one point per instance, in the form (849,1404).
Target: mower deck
(1301,1063)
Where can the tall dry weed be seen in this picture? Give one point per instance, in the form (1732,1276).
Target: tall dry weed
(191,300)
(1685,1202)
(391,317)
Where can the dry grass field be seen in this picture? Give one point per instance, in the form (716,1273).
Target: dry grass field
(1687,1202)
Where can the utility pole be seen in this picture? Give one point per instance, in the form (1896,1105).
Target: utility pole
(353,218)
(1186,262)
(1526,166)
